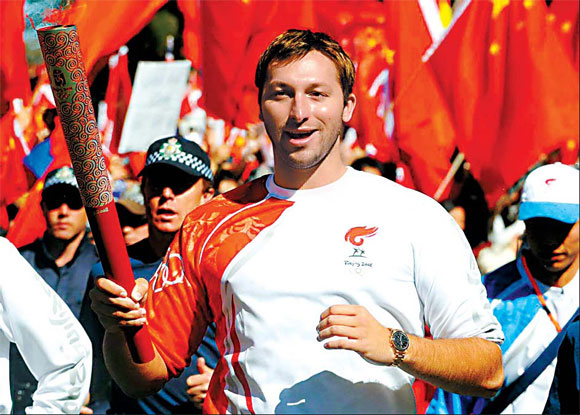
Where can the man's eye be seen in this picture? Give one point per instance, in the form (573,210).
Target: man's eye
(317,94)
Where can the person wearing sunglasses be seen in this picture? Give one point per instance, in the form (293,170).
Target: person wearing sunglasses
(63,257)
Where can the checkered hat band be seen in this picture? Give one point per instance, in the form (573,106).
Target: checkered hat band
(61,180)
(189,160)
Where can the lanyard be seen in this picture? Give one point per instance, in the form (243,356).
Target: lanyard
(540,295)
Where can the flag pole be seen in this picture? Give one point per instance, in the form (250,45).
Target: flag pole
(449,176)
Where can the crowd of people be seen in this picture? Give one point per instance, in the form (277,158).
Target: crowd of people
(283,271)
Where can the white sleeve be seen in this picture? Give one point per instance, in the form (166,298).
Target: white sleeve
(50,339)
(449,282)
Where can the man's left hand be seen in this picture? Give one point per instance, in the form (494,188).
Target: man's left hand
(358,331)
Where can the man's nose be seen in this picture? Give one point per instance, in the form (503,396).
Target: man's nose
(63,209)
(300,110)
(167,192)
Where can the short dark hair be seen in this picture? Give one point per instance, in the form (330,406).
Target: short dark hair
(295,44)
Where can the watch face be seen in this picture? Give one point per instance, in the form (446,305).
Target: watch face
(400,340)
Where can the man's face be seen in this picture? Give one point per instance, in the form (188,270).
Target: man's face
(64,212)
(303,110)
(553,243)
(170,195)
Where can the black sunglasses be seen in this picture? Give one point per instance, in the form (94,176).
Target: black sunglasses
(179,183)
(54,200)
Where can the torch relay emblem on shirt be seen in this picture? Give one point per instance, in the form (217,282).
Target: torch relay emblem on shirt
(356,236)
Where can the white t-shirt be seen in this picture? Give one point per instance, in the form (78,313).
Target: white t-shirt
(264,262)
(52,342)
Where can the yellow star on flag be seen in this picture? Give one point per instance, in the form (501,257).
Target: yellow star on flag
(388,54)
(566,27)
(498,6)
(494,48)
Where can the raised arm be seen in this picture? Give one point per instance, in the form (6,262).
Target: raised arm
(116,310)
(468,366)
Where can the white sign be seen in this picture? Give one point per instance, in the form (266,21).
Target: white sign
(153,112)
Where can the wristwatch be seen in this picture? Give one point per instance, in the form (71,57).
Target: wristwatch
(399,343)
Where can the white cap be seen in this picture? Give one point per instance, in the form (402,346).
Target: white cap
(551,191)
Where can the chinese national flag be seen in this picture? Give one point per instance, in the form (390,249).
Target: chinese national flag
(511,87)
(423,127)
(564,16)
(360,28)
(117,98)
(14,82)
(104,26)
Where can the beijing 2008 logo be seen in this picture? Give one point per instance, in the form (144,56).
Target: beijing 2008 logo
(357,262)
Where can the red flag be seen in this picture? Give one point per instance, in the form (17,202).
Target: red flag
(191,31)
(104,26)
(14,81)
(226,28)
(423,128)
(360,27)
(233,34)
(512,90)
(564,16)
(117,99)
(29,224)
(13,180)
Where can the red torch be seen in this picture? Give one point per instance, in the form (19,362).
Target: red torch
(62,56)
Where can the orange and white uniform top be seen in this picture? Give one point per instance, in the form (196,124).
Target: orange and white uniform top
(264,262)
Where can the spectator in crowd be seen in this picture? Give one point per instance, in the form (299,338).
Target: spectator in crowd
(131,210)
(63,257)
(53,343)
(318,306)
(175,180)
(467,193)
(369,165)
(504,244)
(457,212)
(534,295)
(225,181)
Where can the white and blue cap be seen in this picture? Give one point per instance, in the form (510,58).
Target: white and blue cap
(551,191)
(63,175)
(178,152)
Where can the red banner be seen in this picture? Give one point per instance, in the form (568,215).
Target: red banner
(511,88)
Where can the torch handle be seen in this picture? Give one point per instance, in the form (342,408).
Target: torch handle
(117,266)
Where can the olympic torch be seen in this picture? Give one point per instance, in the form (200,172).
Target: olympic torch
(62,56)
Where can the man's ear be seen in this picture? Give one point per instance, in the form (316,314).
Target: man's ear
(348,109)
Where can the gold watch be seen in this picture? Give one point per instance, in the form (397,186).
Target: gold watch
(399,343)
